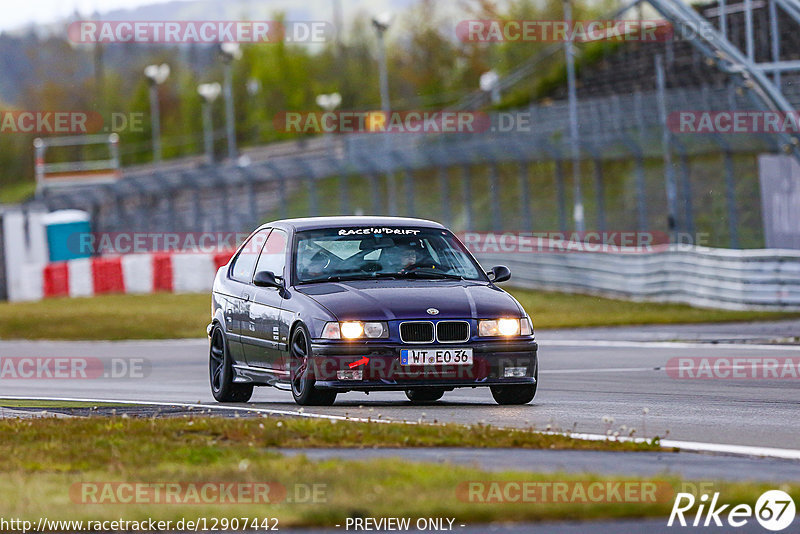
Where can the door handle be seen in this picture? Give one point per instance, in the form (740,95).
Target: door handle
(246,296)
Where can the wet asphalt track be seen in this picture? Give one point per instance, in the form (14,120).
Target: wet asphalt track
(581,382)
(586,375)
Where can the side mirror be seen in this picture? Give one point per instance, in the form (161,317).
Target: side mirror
(499,273)
(266,279)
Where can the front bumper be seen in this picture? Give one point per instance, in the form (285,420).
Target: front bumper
(383,371)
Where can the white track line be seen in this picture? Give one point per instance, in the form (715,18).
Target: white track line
(720,448)
(667,369)
(661,345)
(695,446)
(199,406)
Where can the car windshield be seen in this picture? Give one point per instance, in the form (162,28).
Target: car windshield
(359,253)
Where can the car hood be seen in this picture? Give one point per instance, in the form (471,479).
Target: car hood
(386,300)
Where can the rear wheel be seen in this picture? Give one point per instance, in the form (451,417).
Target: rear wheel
(424,394)
(220,371)
(302,378)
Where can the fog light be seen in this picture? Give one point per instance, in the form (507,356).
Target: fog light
(350,375)
(515,372)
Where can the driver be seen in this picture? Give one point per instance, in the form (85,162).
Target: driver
(402,257)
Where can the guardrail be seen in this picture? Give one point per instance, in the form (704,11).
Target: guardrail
(705,277)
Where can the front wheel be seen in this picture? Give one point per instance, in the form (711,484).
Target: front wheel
(507,395)
(220,371)
(303,390)
(424,394)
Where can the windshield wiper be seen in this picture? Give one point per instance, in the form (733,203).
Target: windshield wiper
(425,275)
(431,274)
(366,276)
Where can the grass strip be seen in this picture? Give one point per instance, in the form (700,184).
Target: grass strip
(169,316)
(47,466)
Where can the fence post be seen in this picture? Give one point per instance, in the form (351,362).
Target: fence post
(525,195)
(444,195)
(666,140)
(251,197)
(344,192)
(375,192)
(560,195)
(641,190)
(408,178)
(686,185)
(730,193)
(494,198)
(391,192)
(599,185)
(282,193)
(313,204)
(466,179)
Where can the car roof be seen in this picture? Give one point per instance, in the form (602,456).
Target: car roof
(316,223)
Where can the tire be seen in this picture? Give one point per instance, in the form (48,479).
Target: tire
(424,394)
(507,395)
(303,390)
(220,371)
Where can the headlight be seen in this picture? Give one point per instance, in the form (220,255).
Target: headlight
(351,330)
(355,330)
(499,327)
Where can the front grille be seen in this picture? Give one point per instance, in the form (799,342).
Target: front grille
(416,332)
(452,331)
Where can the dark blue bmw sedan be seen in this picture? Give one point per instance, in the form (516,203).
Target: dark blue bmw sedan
(327,305)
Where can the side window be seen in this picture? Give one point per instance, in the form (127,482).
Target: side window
(273,257)
(242,270)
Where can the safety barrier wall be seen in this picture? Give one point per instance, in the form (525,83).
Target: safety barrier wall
(133,273)
(716,278)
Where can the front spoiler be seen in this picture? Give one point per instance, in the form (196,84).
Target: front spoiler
(447,385)
(383,370)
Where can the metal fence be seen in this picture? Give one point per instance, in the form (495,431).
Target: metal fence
(732,279)
(638,171)
(490,180)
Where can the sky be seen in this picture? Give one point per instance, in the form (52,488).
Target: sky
(16,13)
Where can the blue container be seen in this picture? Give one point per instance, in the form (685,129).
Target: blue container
(68,232)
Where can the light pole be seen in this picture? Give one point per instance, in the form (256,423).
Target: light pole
(253,88)
(209,92)
(381,23)
(229,52)
(329,103)
(489,83)
(569,50)
(156,75)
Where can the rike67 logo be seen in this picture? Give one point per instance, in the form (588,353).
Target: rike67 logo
(774,510)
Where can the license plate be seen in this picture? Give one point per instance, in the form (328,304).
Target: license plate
(436,356)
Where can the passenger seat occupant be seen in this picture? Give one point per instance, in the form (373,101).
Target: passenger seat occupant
(315,266)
